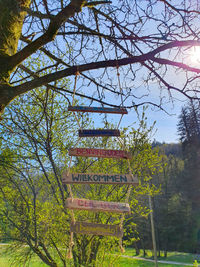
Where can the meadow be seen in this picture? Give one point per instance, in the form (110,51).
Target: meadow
(8,259)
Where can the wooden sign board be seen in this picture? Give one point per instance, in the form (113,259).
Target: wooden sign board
(99,153)
(92,178)
(94,205)
(97,109)
(96,229)
(99,132)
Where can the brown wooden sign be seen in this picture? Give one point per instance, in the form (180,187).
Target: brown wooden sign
(92,178)
(96,229)
(99,153)
(98,132)
(98,109)
(94,205)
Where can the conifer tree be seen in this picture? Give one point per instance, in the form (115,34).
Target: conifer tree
(189,131)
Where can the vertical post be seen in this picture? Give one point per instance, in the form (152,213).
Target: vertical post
(153,232)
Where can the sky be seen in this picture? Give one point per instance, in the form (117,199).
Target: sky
(166,124)
(165,129)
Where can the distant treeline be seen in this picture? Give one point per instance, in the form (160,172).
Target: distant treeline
(177,206)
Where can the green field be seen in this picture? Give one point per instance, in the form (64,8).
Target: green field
(115,261)
(138,263)
(172,256)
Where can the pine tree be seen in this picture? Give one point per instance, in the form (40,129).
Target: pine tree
(189,131)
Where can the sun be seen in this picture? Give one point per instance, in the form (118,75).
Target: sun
(195,55)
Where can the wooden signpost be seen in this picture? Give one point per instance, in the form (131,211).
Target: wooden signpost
(99,132)
(97,109)
(96,229)
(99,153)
(99,178)
(94,205)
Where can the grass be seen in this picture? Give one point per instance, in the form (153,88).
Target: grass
(171,256)
(180,257)
(8,260)
(137,263)
(127,262)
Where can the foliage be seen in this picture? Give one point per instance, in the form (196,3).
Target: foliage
(176,207)
(152,42)
(144,162)
(188,127)
(32,195)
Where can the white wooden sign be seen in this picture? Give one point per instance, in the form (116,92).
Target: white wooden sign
(99,178)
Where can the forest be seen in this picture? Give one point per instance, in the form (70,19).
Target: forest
(176,207)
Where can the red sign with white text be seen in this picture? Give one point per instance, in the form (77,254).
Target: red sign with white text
(99,153)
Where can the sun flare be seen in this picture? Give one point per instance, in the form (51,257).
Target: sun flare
(195,55)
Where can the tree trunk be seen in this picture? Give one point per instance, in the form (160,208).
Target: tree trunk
(7,94)
(11,22)
(12,15)
(137,250)
(143,248)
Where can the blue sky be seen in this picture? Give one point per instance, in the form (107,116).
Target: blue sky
(144,88)
(172,101)
(166,125)
(165,129)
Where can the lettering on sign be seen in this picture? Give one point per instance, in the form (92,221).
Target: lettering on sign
(99,153)
(96,229)
(99,132)
(92,178)
(94,205)
(97,109)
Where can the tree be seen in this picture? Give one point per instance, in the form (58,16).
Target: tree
(31,192)
(145,161)
(189,131)
(32,195)
(170,210)
(148,40)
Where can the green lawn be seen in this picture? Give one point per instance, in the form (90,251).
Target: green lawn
(126,262)
(171,256)
(7,260)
